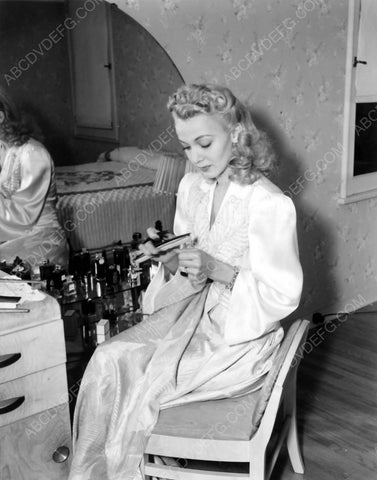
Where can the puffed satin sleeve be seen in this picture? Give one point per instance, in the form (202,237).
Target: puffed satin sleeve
(22,209)
(181,219)
(269,289)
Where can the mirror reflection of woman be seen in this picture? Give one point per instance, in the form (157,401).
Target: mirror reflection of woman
(29,226)
(214,332)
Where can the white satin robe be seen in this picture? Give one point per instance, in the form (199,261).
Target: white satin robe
(255,229)
(29,226)
(195,345)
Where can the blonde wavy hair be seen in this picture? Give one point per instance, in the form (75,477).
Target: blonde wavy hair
(252,154)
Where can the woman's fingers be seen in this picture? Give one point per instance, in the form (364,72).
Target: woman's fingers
(189,256)
(148,249)
(192,257)
(189,252)
(152,252)
(192,261)
(152,233)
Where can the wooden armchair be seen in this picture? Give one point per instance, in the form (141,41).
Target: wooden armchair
(234,429)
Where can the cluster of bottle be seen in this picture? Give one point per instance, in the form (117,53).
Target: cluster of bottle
(93,313)
(92,278)
(96,282)
(103,277)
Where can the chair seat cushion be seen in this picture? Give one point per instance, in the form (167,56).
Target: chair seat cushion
(229,418)
(225,419)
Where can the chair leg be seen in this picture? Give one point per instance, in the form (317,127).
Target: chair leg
(292,436)
(293,447)
(257,466)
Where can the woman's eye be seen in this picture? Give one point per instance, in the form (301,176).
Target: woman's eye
(206,145)
(185,148)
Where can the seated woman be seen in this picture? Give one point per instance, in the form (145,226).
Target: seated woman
(29,226)
(214,331)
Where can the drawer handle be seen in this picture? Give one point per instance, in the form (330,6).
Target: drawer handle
(6,360)
(7,406)
(61,454)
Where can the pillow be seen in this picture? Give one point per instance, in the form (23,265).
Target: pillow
(145,158)
(169,173)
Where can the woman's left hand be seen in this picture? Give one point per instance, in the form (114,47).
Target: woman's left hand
(197,263)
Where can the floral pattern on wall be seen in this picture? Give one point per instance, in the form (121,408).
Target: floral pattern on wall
(287,59)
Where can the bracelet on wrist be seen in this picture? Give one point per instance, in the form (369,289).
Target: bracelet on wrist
(230,285)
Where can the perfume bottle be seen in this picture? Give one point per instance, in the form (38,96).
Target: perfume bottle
(74,267)
(88,308)
(134,281)
(121,258)
(89,331)
(100,267)
(112,276)
(58,277)
(136,240)
(45,272)
(85,266)
(110,313)
(69,288)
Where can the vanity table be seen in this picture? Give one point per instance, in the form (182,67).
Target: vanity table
(35,433)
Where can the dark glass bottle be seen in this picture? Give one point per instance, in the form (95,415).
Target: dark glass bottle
(45,272)
(121,257)
(58,276)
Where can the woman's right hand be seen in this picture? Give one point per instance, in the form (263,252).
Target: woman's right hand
(169,258)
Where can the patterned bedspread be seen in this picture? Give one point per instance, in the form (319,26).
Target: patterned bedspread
(94,177)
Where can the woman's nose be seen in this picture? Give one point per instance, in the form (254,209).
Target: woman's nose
(197,156)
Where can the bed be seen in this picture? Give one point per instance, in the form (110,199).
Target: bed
(102,203)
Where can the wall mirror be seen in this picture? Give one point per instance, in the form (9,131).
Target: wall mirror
(89,75)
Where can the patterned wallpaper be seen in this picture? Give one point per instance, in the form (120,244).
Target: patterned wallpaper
(286,59)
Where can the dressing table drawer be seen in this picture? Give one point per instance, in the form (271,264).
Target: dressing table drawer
(31,350)
(34,411)
(31,394)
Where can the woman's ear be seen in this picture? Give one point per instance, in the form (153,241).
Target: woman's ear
(2,117)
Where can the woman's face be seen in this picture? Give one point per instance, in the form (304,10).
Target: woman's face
(206,141)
